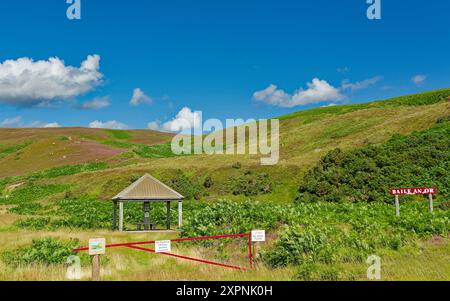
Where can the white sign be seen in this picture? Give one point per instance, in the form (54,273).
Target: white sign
(162,246)
(258,235)
(97,246)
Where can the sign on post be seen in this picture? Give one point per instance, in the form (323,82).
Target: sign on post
(97,246)
(258,235)
(162,246)
(412,191)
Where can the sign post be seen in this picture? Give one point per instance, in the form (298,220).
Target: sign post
(97,247)
(257,236)
(397,206)
(430,197)
(163,246)
(412,191)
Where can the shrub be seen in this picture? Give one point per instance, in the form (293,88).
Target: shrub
(250,184)
(45,251)
(39,223)
(32,192)
(209,182)
(237,165)
(26,208)
(189,188)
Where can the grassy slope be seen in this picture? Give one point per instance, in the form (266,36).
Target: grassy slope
(305,137)
(27,150)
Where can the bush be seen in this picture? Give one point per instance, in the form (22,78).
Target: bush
(40,223)
(189,188)
(45,251)
(295,246)
(209,182)
(26,208)
(237,165)
(250,184)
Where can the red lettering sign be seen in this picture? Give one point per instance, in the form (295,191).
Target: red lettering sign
(413,191)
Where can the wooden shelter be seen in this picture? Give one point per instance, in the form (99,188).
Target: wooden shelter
(147,190)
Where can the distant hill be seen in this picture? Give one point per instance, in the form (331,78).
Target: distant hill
(28,150)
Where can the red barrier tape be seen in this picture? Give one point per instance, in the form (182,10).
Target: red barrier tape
(172,240)
(189,258)
(134,245)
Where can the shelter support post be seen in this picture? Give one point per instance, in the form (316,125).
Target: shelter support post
(180,214)
(120,216)
(114,225)
(168,216)
(146,208)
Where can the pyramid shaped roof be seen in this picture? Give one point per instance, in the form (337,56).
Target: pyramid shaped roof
(148,188)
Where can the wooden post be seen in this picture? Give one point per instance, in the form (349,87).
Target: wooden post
(168,216)
(180,214)
(114,224)
(120,216)
(96,268)
(430,197)
(397,206)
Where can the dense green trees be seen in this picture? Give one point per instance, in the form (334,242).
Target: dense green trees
(366,174)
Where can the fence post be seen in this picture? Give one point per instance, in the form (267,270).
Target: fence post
(250,251)
(96,268)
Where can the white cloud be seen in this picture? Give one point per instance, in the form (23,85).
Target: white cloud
(154,125)
(346,84)
(16,122)
(52,125)
(25,82)
(329,105)
(139,97)
(419,79)
(185,119)
(318,91)
(11,122)
(114,125)
(96,103)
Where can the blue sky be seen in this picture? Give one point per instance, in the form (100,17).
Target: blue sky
(211,56)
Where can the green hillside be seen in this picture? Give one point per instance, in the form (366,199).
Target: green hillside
(342,154)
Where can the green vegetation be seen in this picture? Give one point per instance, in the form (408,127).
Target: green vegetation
(46,251)
(421,159)
(250,184)
(343,158)
(31,193)
(27,208)
(7,150)
(56,172)
(320,237)
(419,99)
(188,187)
(154,151)
(118,134)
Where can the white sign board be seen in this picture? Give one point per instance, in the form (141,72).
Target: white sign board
(258,235)
(97,246)
(162,246)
